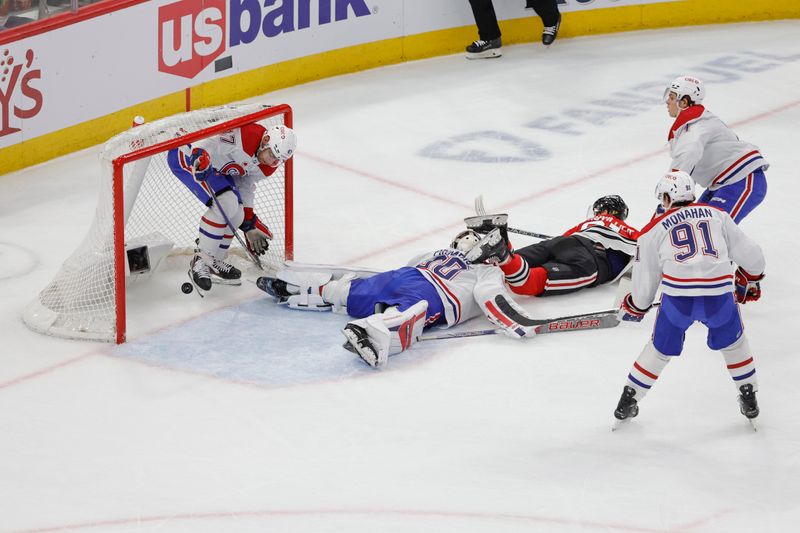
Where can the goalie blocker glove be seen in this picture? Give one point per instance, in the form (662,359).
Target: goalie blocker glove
(255,232)
(748,286)
(200,161)
(629,312)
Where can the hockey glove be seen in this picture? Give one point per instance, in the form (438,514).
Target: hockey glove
(748,286)
(629,312)
(200,161)
(255,232)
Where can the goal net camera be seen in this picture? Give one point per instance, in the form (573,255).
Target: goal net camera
(144,214)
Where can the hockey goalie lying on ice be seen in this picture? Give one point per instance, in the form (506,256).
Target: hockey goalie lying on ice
(441,288)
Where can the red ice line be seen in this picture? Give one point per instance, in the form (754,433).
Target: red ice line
(375,512)
(385,181)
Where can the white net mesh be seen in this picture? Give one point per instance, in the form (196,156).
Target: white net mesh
(80,302)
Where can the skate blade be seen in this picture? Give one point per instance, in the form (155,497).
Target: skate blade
(488,54)
(620,423)
(753,423)
(222,281)
(200,292)
(366,355)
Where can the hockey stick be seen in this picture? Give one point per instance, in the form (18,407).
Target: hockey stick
(481,210)
(254,258)
(598,320)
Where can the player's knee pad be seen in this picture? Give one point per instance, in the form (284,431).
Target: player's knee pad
(229,203)
(305,289)
(337,291)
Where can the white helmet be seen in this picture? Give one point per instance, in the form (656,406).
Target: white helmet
(679,186)
(465,241)
(281,140)
(686,86)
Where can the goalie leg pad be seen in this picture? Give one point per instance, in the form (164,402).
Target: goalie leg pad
(337,291)
(378,336)
(305,289)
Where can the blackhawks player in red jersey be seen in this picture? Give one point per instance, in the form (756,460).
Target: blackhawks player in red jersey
(596,251)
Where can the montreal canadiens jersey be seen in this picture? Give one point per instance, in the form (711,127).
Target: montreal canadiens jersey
(703,146)
(461,285)
(688,252)
(233,153)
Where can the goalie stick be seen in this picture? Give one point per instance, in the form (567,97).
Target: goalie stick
(481,210)
(597,320)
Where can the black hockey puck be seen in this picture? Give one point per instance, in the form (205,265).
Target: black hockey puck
(187,288)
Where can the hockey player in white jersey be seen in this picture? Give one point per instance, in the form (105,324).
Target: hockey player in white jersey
(731,170)
(596,251)
(229,164)
(688,251)
(440,288)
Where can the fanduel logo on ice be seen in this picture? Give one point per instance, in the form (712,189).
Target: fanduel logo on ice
(193,34)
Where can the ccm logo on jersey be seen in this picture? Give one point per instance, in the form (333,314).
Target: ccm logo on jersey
(193,34)
(574,324)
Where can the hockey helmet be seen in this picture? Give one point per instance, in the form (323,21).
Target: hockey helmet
(281,140)
(613,204)
(686,86)
(678,186)
(465,241)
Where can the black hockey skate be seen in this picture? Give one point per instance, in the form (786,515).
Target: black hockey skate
(747,401)
(483,224)
(358,342)
(481,49)
(550,33)
(224,273)
(627,406)
(277,288)
(200,273)
(492,249)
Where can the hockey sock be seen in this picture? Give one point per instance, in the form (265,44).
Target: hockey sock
(740,363)
(214,236)
(521,278)
(646,369)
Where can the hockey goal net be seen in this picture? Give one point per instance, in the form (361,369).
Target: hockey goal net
(145,213)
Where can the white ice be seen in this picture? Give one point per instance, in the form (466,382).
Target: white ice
(229,414)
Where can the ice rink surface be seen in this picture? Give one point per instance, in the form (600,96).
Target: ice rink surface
(231,414)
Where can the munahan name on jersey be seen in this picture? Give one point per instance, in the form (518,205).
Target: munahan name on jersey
(688,212)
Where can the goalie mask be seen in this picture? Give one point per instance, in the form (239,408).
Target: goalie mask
(613,205)
(686,86)
(281,140)
(465,241)
(678,186)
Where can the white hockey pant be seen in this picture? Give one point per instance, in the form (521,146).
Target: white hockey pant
(215,235)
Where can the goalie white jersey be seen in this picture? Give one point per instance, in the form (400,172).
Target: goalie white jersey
(688,251)
(464,288)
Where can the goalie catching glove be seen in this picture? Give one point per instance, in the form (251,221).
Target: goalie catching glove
(200,162)
(255,232)
(748,286)
(629,312)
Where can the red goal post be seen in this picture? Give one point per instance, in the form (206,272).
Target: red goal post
(144,214)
